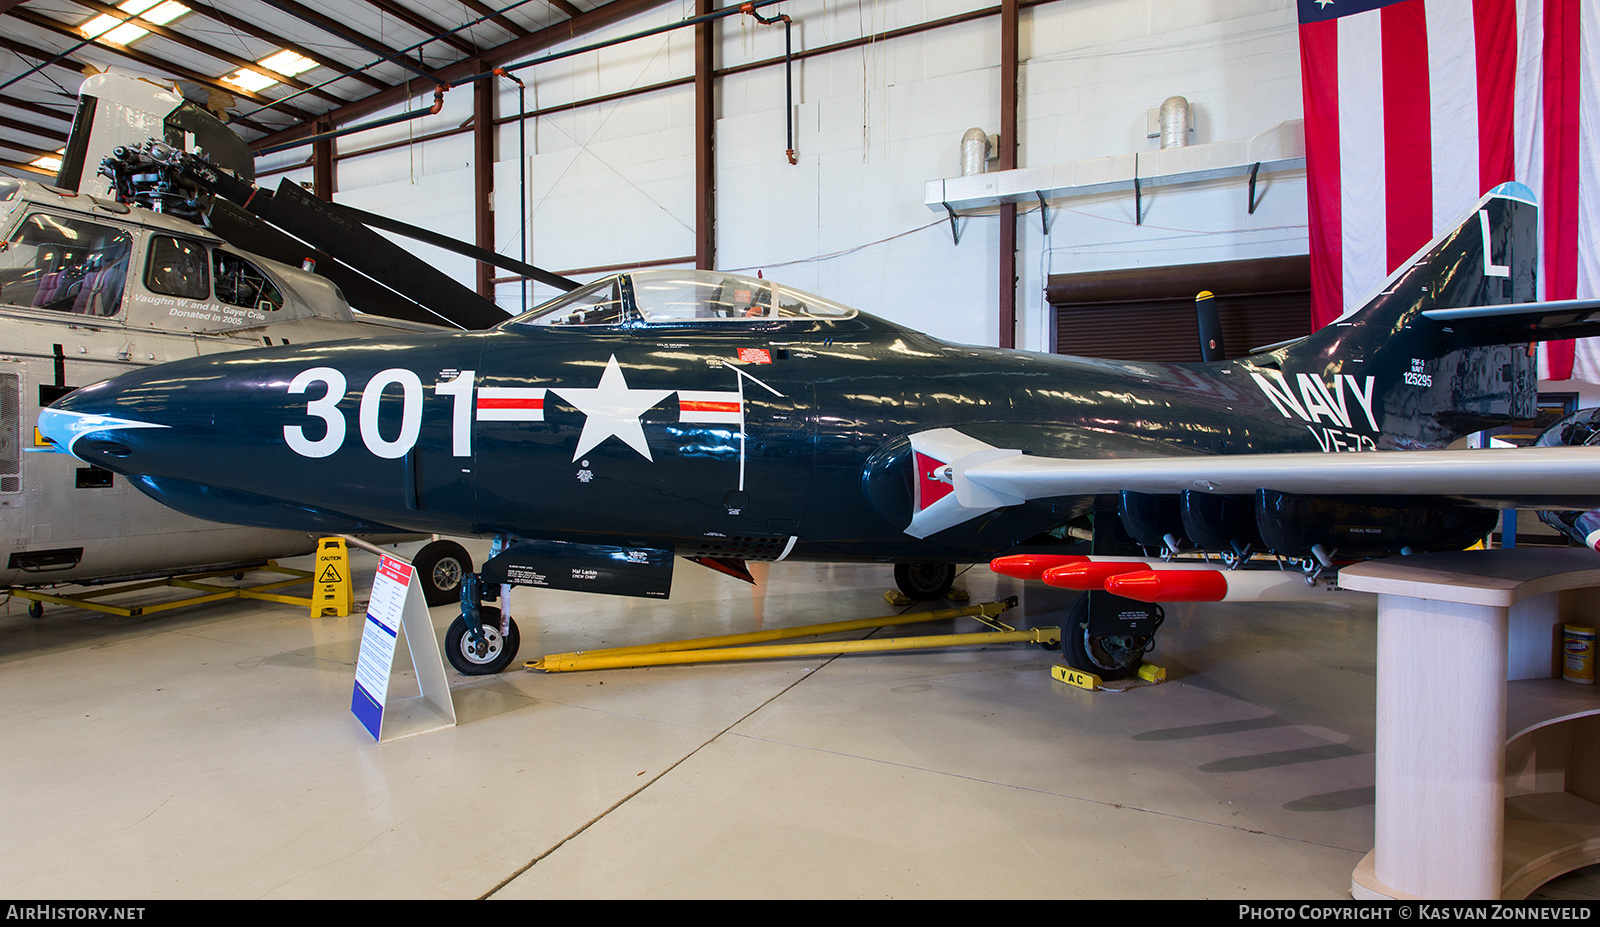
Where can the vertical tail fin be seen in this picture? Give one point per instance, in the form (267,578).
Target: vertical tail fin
(1421,381)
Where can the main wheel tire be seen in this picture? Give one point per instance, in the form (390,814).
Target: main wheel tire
(1112,656)
(497,651)
(440,566)
(924,581)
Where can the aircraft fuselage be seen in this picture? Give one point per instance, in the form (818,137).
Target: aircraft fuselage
(783,440)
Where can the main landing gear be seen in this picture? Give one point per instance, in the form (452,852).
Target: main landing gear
(923,582)
(1109,635)
(441,565)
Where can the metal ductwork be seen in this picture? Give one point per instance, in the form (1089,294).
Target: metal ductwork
(1174,122)
(1281,148)
(974,152)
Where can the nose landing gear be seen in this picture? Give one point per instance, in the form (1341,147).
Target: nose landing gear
(482,640)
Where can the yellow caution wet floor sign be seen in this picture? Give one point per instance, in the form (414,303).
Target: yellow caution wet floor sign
(333,590)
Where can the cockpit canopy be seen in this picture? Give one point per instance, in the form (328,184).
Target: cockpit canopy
(682,297)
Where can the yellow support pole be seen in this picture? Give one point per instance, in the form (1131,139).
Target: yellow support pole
(571,662)
(986,610)
(727,647)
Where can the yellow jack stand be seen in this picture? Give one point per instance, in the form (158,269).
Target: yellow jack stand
(724,648)
(208,592)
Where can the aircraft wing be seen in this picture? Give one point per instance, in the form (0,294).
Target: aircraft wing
(981,478)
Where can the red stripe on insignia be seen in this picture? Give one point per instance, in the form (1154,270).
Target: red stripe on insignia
(486,402)
(692,406)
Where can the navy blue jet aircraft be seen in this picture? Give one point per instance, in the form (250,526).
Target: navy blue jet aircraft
(724,418)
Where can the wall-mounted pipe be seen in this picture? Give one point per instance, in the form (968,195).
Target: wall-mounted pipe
(522,171)
(788,73)
(749,7)
(438,104)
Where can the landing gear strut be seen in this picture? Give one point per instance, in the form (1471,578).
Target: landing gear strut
(481,641)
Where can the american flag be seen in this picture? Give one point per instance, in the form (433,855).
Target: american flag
(1415,108)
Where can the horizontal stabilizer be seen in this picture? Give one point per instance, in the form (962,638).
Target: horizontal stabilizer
(1518,322)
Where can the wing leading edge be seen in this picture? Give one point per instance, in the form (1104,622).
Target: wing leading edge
(983,478)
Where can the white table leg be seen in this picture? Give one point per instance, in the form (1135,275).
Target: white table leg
(1440,747)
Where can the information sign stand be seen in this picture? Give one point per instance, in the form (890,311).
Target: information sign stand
(397,609)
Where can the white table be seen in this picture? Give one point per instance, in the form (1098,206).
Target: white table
(1488,769)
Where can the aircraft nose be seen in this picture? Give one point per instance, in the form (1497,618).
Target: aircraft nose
(80,424)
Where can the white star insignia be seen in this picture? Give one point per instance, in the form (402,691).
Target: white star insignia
(612,409)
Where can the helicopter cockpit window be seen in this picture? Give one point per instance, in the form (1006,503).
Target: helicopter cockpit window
(241,283)
(177,268)
(599,303)
(65,264)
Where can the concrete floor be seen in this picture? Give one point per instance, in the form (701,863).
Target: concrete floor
(210,752)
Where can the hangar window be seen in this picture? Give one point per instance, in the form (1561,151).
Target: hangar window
(241,283)
(177,268)
(66,264)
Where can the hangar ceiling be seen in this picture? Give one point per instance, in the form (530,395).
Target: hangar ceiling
(278,69)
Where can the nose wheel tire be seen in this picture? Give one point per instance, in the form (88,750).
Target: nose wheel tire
(440,566)
(922,582)
(484,657)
